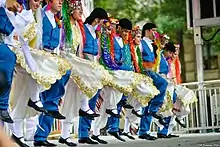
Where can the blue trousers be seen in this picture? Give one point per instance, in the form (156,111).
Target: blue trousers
(164,131)
(85,123)
(154,104)
(50,100)
(113,122)
(7,65)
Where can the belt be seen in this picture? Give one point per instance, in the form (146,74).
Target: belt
(148,65)
(50,51)
(148,69)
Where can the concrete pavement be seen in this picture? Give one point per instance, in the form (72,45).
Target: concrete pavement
(185,140)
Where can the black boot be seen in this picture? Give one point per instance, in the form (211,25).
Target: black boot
(160,118)
(162,136)
(110,112)
(4,116)
(43,143)
(125,104)
(18,141)
(173,136)
(117,136)
(128,135)
(135,113)
(96,138)
(89,116)
(55,114)
(35,107)
(87,141)
(181,123)
(64,141)
(147,137)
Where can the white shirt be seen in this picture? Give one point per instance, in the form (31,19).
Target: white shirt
(91,30)
(120,41)
(2,3)
(141,47)
(149,43)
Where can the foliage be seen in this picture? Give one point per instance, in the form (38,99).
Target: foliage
(169,15)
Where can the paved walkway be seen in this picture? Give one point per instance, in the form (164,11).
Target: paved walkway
(185,140)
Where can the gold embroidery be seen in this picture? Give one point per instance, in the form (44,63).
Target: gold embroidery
(131,88)
(30,32)
(90,92)
(46,81)
(168,104)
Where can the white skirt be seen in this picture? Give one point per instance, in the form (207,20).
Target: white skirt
(48,68)
(21,94)
(133,84)
(185,95)
(88,75)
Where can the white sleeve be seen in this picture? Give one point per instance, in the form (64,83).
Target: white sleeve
(2,3)
(141,47)
(57,49)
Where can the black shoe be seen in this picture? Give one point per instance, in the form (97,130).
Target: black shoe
(109,111)
(56,114)
(4,116)
(125,104)
(155,115)
(173,136)
(96,138)
(162,136)
(160,118)
(18,141)
(128,106)
(180,123)
(135,113)
(43,143)
(147,137)
(116,135)
(35,107)
(129,136)
(87,140)
(89,116)
(64,141)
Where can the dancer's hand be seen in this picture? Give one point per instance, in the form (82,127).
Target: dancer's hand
(81,55)
(13,5)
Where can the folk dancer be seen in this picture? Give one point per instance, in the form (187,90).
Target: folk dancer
(90,52)
(7,57)
(51,34)
(92,75)
(148,34)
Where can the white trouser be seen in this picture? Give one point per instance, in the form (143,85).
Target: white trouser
(70,109)
(22,92)
(183,110)
(111,97)
(31,128)
(130,118)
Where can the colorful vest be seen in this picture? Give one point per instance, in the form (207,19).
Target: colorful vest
(91,44)
(147,55)
(6,26)
(51,36)
(164,68)
(123,56)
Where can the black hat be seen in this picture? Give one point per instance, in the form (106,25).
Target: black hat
(170,47)
(125,23)
(99,13)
